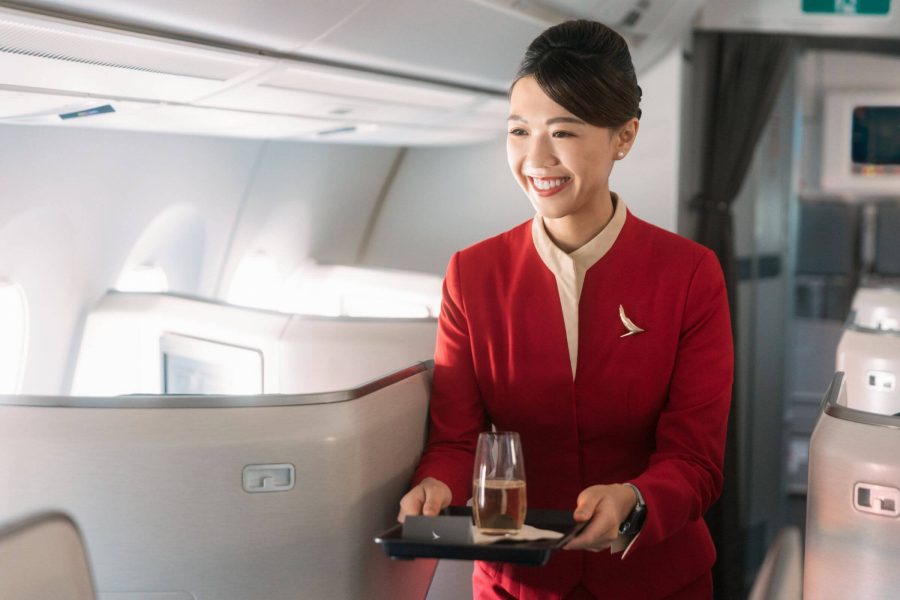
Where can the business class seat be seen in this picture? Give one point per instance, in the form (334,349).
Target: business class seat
(261,497)
(42,557)
(853,504)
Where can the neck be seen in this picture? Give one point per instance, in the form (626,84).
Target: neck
(571,232)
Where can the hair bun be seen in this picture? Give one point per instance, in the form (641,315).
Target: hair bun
(585,67)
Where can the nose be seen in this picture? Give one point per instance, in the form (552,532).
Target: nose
(540,153)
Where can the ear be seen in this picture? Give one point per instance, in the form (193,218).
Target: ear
(626,134)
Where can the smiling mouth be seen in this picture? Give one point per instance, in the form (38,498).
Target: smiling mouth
(547,186)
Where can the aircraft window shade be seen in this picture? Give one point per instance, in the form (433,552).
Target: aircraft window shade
(143,278)
(14,338)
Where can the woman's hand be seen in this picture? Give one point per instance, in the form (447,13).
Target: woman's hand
(606,507)
(428,498)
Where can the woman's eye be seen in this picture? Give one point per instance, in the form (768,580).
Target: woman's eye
(562,134)
(517,131)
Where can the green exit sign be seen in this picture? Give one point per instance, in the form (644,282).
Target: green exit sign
(847,7)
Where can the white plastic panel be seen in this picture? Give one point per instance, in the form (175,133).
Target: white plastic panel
(454,41)
(41,557)
(14,323)
(850,552)
(158,493)
(877,308)
(52,54)
(287,101)
(126,336)
(280,26)
(320,354)
(121,349)
(314,78)
(871,362)
(192,120)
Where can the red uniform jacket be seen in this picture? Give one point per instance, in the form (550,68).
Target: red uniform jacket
(650,409)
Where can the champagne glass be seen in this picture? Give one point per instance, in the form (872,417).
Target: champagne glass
(498,494)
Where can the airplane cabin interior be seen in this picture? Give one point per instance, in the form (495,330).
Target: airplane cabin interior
(224,230)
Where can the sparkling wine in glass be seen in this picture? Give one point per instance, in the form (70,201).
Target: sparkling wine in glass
(498,487)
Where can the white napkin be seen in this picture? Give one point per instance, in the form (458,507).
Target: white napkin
(526,534)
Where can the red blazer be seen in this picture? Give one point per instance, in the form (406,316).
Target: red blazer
(650,408)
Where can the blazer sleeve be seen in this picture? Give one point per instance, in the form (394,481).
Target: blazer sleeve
(456,410)
(684,475)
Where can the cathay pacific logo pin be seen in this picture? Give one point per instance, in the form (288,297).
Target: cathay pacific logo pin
(628,323)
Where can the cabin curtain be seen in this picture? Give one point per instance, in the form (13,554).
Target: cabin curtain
(745,75)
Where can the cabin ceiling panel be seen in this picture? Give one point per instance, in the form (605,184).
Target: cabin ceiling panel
(275,25)
(324,106)
(461,41)
(40,53)
(25,106)
(410,72)
(205,121)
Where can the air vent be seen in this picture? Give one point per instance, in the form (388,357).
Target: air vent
(81,44)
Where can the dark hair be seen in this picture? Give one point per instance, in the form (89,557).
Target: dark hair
(585,67)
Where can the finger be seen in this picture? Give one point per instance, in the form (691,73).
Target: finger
(432,507)
(586,504)
(598,534)
(435,500)
(411,503)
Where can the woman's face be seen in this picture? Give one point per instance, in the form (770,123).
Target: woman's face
(561,162)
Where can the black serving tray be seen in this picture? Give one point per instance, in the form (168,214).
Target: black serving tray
(535,553)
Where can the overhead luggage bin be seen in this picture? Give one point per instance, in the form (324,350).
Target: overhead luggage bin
(226,497)
(853,506)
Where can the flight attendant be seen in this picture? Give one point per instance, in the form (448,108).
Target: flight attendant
(603,340)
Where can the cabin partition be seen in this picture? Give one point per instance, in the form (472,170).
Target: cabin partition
(853,509)
(175,344)
(226,497)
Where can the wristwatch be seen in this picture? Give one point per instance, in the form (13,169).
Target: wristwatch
(635,520)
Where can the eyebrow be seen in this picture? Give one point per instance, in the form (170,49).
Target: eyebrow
(549,121)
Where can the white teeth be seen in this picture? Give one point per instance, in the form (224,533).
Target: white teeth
(548,184)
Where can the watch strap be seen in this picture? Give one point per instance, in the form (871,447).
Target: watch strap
(635,519)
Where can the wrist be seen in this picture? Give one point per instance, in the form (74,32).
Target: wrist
(634,519)
(629,493)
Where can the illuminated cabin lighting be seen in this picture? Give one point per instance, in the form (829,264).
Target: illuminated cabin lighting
(14,341)
(143,278)
(357,292)
(257,283)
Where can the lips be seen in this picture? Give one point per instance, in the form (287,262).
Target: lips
(549,186)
